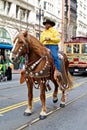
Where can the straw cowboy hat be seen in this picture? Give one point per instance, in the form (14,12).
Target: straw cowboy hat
(49,21)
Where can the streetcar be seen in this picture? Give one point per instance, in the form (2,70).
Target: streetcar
(76,51)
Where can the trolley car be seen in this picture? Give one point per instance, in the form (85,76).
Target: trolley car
(76,51)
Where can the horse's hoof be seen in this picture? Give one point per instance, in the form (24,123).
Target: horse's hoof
(55,101)
(42,117)
(27,114)
(62,105)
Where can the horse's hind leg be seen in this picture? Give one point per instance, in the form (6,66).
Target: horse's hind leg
(43,101)
(62,104)
(28,111)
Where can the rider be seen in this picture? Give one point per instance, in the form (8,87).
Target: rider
(50,37)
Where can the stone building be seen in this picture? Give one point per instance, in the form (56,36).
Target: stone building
(81,29)
(70,19)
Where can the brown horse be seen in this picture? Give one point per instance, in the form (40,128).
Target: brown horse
(39,66)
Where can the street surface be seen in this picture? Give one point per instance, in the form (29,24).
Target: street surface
(13,102)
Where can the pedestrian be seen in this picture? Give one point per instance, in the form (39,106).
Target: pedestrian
(1,59)
(50,37)
(21,64)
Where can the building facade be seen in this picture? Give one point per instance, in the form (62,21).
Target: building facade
(25,14)
(15,15)
(81,18)
(70,19)
(22,14)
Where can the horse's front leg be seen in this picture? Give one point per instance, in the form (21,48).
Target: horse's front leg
(55,93)
(62,104)
(43,100)
(28,110)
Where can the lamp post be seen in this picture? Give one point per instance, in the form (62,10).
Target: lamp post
(68,25)
(63,14)
(40,14)
(39,20)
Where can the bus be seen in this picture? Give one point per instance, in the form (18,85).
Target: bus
(76,51)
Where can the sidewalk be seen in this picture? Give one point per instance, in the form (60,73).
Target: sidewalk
(16,71)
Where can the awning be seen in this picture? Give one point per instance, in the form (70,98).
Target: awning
(5,46)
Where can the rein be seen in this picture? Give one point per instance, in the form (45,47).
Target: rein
(20,50)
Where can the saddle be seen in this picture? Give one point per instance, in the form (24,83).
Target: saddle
(59,76)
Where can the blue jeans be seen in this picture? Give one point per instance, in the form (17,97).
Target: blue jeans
(54,51)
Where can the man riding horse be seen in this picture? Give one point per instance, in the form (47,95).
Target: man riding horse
(50,38)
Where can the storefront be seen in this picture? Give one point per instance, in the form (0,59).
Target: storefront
(5,43)
(5,49)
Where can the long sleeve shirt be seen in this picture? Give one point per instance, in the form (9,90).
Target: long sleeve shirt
(52,34)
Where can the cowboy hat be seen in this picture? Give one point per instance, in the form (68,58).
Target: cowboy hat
(49,21)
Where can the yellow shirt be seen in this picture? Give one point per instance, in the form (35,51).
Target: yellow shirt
(52,34)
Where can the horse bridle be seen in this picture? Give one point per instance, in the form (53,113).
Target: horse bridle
(24,46)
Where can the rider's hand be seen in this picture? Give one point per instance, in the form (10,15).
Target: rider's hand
(47,39)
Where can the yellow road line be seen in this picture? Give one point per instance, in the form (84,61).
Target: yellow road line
(6,109)
(12,107)
(26,125)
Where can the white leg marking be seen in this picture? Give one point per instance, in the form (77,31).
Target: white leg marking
(28,110)
(43,113)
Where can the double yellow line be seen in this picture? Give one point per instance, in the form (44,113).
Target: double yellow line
(12,107)
(15,106)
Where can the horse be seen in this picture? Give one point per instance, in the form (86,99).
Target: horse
(40,67)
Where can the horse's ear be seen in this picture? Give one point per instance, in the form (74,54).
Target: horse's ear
(14,39)
(25,33)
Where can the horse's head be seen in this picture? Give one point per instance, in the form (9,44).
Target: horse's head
(20,47)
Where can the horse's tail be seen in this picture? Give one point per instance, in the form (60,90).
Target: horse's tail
(69,79)
(65,73)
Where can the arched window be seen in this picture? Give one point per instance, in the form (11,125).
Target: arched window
(4,36)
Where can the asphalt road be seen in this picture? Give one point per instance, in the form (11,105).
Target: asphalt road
(13,102)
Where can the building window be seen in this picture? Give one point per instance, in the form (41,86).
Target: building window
(4,36)
(80,3)
(37,35)
(2,5)
(45,3)
(5,6)
(84,7)
(22,13)
(17,9)
(9,6)
(80,13)
(58,12)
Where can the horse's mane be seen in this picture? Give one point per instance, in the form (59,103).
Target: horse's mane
(33,42)
(36,45)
